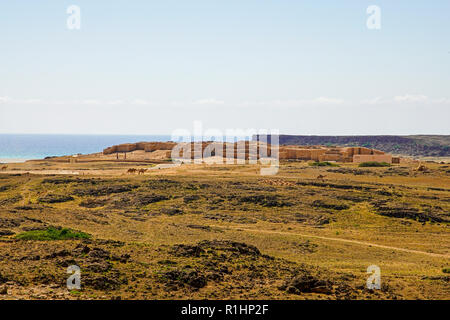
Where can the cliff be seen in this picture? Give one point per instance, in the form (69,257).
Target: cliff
(415,145)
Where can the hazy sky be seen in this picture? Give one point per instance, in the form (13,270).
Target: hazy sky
(149,67)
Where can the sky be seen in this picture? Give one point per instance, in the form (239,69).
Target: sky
(151,67)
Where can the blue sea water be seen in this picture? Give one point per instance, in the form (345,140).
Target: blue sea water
(39,146)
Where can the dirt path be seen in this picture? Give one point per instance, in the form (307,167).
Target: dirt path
(367,244)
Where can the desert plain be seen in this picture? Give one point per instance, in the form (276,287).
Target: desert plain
(222,231)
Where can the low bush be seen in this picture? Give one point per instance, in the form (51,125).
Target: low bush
(374,164)
(323,164)
(52,233)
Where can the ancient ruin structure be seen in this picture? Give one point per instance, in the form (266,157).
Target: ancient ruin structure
(255,150)
(344,154)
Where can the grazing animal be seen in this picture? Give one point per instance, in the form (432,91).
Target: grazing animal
(131,170)
(4,167)
(141,171)
(320,177)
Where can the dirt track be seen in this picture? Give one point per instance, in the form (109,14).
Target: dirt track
(367,244)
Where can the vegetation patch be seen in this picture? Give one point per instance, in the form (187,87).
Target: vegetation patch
(403,211)
(93,203)
(11,200)
(229,217)
(6,233)
(356,172)
(328,205)
(172,211)
(58,181)
(138,200)
(264,200)
(176,279)
(334,185)
(304,282)
(323,164)
(4,188)
(373,164)
(55,198)
(190,198)
(52,233)
(104,190)
(10,223)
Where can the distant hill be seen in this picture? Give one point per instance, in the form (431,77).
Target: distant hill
(416,145)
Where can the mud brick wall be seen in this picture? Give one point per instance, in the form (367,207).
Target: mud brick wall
(358,158)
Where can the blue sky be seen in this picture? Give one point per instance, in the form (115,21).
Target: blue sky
(149,67)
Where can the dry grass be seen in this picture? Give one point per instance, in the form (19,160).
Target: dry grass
(330,230)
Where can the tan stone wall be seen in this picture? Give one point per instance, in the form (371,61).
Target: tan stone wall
(153,146)
(316,153)
(244,149)
(331,157)
(147,146)
(358,158)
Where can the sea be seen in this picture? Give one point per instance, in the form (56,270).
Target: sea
(38,146)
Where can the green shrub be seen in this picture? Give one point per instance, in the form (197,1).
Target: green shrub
(374,164)
(323,164)
(446,270)
(52,233)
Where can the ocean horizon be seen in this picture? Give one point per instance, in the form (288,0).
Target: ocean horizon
(39,146)
(21,147)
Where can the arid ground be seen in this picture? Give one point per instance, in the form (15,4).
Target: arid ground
(224,231)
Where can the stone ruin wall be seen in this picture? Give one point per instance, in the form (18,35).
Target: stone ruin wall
(250,149)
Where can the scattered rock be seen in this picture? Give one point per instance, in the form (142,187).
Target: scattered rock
(99,253)
(102,282)
(196,226)
(24,208)
(99,267)
(230,218)
(6,233)
(184,250)
(11,200)
(55,198)
(104,190)
(124,258)
(172,211)
(10,223)
(3,290)
(343,170)
(327,205)
(81,249)
(305,283)
(4,188)
(190,198)
(421,168)
(180,278)
(264,200)
(59,253)
(403,211)
(226,245)
(93,203)
(137,200)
